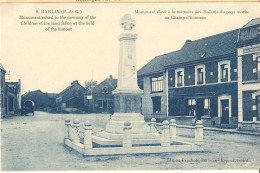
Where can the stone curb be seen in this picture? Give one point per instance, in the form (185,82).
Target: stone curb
(222,130)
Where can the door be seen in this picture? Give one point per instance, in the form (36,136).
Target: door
(10,104)
(105,106)
(199,108)
(225,111)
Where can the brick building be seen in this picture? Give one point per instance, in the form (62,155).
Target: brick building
(200,81)
(100,98)
(71,99)
(10,95)
(249,71)
(42,101)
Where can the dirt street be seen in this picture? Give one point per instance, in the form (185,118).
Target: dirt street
(36,143)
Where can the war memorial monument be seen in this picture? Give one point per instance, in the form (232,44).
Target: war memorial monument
(127,132)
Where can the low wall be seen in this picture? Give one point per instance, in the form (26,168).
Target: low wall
(251,126)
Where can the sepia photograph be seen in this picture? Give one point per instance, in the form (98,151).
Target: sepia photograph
(130,86)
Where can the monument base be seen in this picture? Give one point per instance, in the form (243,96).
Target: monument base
(114,132)
(116,123)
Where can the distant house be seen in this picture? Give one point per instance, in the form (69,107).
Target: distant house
(71,99)
(2,89)
(100,98)
(10,95)
(42,101)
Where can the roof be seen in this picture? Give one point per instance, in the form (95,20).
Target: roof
(32,92)
(35,92)
(2,68)
(52,95)
(108,82)
(72,85)
(252,22)
(208,47)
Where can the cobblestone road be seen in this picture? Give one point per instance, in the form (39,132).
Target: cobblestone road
(36,143)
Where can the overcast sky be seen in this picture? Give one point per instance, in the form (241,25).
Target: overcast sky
(51,60)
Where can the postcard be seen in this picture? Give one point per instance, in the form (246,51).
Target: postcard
(130,86)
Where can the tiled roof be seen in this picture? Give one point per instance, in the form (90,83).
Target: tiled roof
(208,47)
(52,95)
(253,22)
(72,85)
(32,92)
(109,83)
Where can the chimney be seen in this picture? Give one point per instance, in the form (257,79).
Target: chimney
(74,82)
(110,77)
(187,41)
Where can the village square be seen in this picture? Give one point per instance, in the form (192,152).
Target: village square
(193,108)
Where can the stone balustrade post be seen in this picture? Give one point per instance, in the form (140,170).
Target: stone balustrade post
(165,134)
(254,123)
(173,129)
(127,139)
(88,135)
(67,129)
(153,126)
(75,132)
(198,132)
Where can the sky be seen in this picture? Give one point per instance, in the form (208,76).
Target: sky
(50,61)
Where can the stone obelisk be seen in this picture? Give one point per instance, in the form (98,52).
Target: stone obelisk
(127,95)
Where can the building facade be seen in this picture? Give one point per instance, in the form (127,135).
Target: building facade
(2,90)
(42,101)
(71,99)
(10,95)
(100,98)
(249,73)
(201,81)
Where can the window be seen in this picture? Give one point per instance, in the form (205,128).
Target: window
(199,74)
(105,90)
(224,71)
(206,107)
(191,107)
(258,67)
(2,100)
(110,104)
(157,84)
(100,104)
(2,80)
(179,77)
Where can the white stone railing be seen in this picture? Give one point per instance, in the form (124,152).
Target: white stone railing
(169,133)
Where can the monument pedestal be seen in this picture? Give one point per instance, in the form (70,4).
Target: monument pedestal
(127,109)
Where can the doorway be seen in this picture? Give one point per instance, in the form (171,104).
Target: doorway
(10,104)
(224,111)
(156,104)
(199,108)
